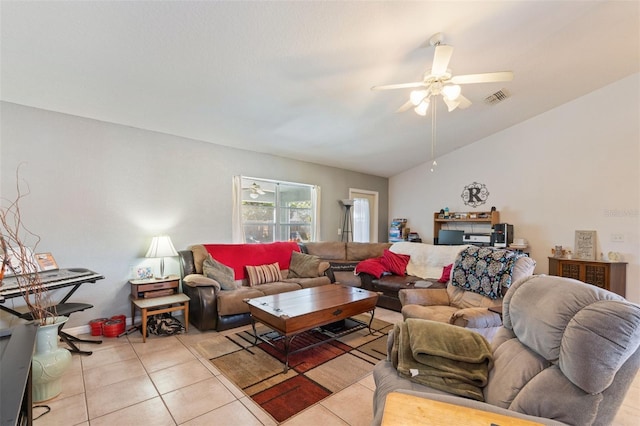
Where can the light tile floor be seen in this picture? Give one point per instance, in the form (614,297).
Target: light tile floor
(166,382)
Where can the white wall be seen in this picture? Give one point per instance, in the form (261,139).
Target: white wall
(572,168)
(100,191)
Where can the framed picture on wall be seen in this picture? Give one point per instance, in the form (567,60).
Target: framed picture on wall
(585,245)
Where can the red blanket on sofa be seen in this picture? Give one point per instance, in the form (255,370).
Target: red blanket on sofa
(237,256)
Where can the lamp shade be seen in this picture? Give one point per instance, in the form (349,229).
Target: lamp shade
(161,246)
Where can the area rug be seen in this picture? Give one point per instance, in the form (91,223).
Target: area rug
(313,375)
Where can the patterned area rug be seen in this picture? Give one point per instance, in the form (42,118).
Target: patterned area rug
(313,374)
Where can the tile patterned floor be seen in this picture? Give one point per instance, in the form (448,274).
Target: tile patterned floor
(165,382)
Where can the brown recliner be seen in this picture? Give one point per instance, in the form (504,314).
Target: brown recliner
(456,306)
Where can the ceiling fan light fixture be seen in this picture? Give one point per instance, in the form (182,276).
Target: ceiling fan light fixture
(256,190)
(418,96)
(254,195)
(451,104)
(421,109)
(451,91)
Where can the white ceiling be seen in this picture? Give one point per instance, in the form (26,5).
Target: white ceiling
(293,78)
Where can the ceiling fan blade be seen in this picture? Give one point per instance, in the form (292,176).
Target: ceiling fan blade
(399,86)
(489,77)
(405,107)
(464,102)
(441,59)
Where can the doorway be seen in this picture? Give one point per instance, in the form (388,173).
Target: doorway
(367,221)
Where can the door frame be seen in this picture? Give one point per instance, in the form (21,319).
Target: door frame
(373,207)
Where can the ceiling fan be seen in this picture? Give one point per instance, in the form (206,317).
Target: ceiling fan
(255,191)
(440,81)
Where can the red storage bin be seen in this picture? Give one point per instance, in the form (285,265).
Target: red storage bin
(112,328)
(122,318)
(96,326)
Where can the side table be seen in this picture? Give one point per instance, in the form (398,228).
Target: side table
(161,305)
(403,409)
(154,287)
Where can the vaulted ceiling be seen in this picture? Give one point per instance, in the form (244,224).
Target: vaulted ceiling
(293,78)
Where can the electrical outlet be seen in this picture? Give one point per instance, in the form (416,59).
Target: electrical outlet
(617,238)
(339,231)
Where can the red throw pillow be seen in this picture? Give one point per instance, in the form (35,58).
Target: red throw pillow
(446,274)
(373,267)
(395,263)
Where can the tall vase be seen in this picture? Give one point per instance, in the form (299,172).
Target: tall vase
(49,362)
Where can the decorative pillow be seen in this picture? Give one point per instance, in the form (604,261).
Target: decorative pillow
(213,269)
(264,274)
(395,263)
(373,267)
(484,270)
(303,265)
(446,274)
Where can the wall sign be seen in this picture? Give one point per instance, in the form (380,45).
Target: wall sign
(585,245)
(475,194)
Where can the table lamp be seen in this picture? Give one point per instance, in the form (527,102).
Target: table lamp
(161,246)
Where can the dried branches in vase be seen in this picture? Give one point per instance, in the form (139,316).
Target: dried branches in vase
(17,243)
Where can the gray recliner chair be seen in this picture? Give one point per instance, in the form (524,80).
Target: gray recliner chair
(567,353)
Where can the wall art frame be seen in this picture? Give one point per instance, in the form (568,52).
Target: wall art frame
(585,245)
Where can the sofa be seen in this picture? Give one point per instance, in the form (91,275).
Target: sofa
(216,306)
(566,354)
(217,293)
(343,257)
(428,266)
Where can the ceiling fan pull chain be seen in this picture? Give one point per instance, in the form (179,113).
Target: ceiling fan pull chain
(434,107)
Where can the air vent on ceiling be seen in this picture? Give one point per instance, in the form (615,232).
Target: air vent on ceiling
(497,97)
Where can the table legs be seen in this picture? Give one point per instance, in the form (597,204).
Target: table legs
(289,339)
(154,310)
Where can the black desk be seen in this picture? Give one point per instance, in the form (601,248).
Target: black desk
(73,277)
(16,350)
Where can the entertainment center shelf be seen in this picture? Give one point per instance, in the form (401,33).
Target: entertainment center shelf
(483,218)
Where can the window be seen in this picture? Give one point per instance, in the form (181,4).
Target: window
(276,211)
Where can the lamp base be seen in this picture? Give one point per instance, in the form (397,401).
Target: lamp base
(164,277)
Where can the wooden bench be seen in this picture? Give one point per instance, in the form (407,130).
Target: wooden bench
(160,305)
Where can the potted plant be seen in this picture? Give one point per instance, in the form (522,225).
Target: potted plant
(49,361)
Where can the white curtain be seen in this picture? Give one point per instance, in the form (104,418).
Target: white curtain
(315,203)
(361,220)
(237,230)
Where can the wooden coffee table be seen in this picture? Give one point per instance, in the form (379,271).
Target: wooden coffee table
(295,312)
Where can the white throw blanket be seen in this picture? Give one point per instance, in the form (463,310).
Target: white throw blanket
(427,260)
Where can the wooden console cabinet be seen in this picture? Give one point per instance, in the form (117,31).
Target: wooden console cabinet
(611,276)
